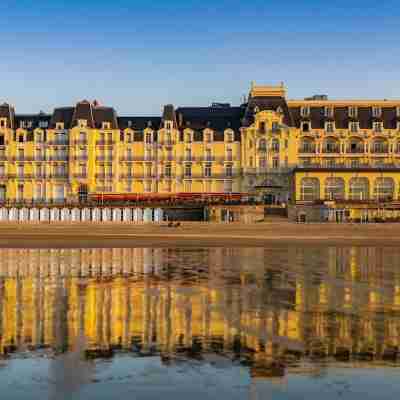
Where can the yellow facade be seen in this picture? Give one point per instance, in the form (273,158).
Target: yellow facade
(217,149)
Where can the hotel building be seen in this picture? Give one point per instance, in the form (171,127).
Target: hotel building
(299,152)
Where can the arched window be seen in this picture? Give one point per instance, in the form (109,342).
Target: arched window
(331,145)
(309,189)
(384,189)
(307,145)
(355,145)
(334,189)
(359,189)
(380,146)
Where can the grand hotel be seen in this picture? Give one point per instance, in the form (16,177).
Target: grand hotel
(298,152)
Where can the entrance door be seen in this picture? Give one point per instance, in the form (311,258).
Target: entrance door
(83,194)
(2,194)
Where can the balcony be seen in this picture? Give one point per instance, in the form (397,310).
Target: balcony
(80,142)
(82,157)
(355,150)
(21,159)
(80,175)
(307,150)
(60,176)
(104,158)
(350,167)
(331,150)
(105,142)
(58,142)
(58,158)
(104,176)
(380,150)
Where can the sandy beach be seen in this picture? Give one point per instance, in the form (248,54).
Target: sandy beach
(194,234)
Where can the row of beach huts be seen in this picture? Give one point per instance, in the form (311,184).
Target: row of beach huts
(88,214)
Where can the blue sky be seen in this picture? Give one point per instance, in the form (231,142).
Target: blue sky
(138,55)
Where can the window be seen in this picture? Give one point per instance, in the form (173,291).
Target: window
(262,145)
(229,154)
(355,163)
(334,189)
(309,189)
(262,126)
(82,137)
(359,189)
(275,145)
(329,127)
(305,111)
(330,163)
(228,170)
(262,163)
(353,111)
(275,126)
(376,112)
(168,170)
(1,140)
(378,127)
(380,146)
(129,154)
(305,127)
(398,111)
(207,170)
(328,112)
(353,127)
(59,125)
(188,170)
(20,154)
(229,137)
(3,123)
(129,137)
(20,138)
(188,137)
(286,143)
(43,124)
(105,125)
(149,138)
(331,146)
(307,145)
(168,124)
(188,154)
(275,162)
(384,189)
(82,123)
(208,155)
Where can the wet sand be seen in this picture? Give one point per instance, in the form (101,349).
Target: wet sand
(192,234)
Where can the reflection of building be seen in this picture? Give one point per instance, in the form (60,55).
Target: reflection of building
(258,305)
(251,148)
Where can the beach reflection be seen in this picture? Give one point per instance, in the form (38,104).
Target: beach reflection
(272,311)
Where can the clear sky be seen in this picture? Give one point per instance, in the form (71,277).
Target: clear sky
(138,55)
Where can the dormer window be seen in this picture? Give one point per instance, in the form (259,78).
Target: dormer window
(22,124)
(398,126)
(105,125)
(353,127)
(330,127)
(29,124)
(378,127)
(398,111)
(149,138)
(39,137)
(3,122)
(328,112)
(305,127)
(305,111)
(262,126)
(168,124)
(229,137)
(207,137)
(376,112)
(353,111)
(43,124)
(59,125)
(188,137)
(82,123)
